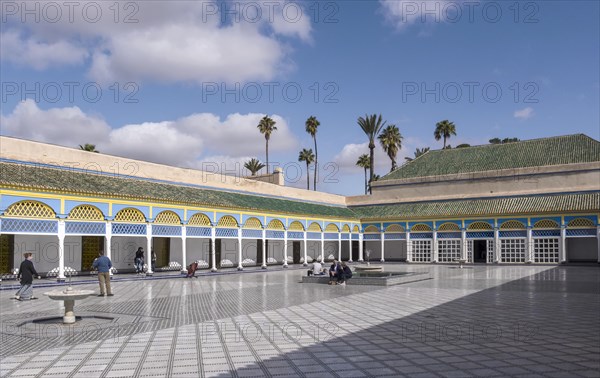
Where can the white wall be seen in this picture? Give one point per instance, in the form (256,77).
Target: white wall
(123,250)
(375,247)
(176,251)
(395,250)
(198,249)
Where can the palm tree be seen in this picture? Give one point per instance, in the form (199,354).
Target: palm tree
(88,147)
(391,141)
(312,124)
(309,158)
(254,165)
(418,152)
(371,125)
(364,162)
(267,126)
(444,129)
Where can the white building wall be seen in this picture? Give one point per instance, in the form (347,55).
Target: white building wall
(123,250)
(198,249)
(175,250)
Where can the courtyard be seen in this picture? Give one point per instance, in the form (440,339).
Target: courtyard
(527,320)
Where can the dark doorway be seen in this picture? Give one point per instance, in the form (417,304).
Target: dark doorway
(218,253)
(355,251)
(296,252)
(162,249)
(259,248)
(7,245)
(90,246)
(479,251)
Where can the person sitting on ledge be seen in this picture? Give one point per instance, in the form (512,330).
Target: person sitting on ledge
(192,270)
(344,274)
(317,269)
(334,271)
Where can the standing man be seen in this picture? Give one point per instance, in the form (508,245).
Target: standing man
(139,261)
(103,264)
(26,274)
(153,259)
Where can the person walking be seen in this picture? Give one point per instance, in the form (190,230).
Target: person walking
(26,274)
(103,264)
(139,261)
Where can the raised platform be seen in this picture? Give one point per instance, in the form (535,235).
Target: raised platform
(375,278)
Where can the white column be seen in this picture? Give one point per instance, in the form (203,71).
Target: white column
(350,246)
(213,250)
(435,250)
(382,246)
(463,244)
(497,249)
(339,246)
(183,249)
(408,247)
(240,266)
(598,239)
(108,243)
(563,244)
(529,247)
(305,250)
(264,249)
(322,247)
(61,250)
(148,259)
(360,248)
(285,249)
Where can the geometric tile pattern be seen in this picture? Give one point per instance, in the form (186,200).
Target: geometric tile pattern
(313,235)
(128,229)
(85,228)
(30,209)
(331,235)
(295,235)
(226,232)
(371,236)
(198,231)
(482,234)
(513,234)
(163,230)
(395,236)
(29,226)
(486,321)
(579,232)
(421,235)
(449,235)
(271,234)
(541,233)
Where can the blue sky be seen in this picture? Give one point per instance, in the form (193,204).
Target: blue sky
(503,69)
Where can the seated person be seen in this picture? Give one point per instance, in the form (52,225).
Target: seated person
(317,269)
(344,274)
(192,270)
(333,271)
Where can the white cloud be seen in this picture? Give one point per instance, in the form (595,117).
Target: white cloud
(404,13)
(38,54)
(174,41)
(182,142)
(524,114)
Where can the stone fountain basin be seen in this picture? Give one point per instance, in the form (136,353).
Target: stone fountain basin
(73,295)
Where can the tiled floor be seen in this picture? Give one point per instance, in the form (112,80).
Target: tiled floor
(482,321)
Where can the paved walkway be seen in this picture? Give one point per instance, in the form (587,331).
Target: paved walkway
(480,321)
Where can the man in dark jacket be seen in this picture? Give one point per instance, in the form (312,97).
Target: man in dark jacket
(103,264)
(26,274)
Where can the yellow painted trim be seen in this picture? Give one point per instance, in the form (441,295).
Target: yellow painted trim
(62,205)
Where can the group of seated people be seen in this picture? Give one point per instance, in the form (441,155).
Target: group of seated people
(339,272)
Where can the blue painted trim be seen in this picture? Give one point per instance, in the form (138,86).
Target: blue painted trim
(102,206)
(6,200)
(118,207)
(412,224)
(593,218)
(157,210)
(491,222)
(221,215)
(504,220)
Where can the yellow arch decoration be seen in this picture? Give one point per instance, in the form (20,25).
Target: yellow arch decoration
(253,223)
(346,228)
(86,212)
(167,217)
(480,226)
(394,228)
(227,221)
(332,228)
(581,223)
(448,227)
(276,224)
(314,227)
(421,227)
(372,229)
(296,226)
(30,209)
(546,223)
(512,225)
(356,229)
(199,219)
(130,215)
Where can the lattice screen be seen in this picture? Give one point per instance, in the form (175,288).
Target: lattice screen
(199,219)
(86,212)
(512,250)
(227,221)
(479,226)
(421,250)
(356,229)
(130,215)
(546,250)
(448,250)
(581,223)
(314,227)
(167,217)
(546,223)
(296,226)
(512,225)
(332,228)
(394,228)
(253,224)
(275,224)
(30,209)
(420,228)
(449,227)
(346,228)
(490,251)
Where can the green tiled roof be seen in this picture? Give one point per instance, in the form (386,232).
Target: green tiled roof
(567,149)
(559,203)
(41,178)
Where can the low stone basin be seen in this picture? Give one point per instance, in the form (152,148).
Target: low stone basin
(69,296)
(368,268)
